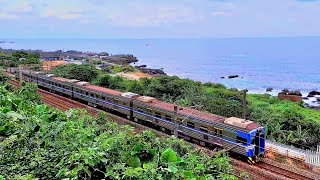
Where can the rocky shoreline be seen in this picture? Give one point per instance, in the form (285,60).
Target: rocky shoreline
(102,57)
(311,99)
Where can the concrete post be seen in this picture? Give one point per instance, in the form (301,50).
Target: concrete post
(175,119)
(244,104)
(20,73)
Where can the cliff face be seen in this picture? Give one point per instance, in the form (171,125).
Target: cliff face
(152,72)
(120,59)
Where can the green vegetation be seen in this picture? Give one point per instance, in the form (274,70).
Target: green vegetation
(117,69)
(37,142)
(81,72)
(18,58)
(285,121)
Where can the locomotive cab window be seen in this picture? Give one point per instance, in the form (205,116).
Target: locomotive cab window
(241,140)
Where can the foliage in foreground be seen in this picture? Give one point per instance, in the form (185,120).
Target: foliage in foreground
(38,142)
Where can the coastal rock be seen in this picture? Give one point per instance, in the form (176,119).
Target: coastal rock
(269,89)
(314,93)
(120,59)
(310,95)
(142,66)
(305,98)
(152,72)
(296,93)
(223,77)
(233,76)
(318,99)
(286,91)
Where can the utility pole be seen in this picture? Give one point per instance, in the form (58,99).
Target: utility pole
(244,104)
(175,119)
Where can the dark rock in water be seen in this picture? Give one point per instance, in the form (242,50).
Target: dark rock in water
(286,91)
(296,93)
(120,59)
(269,89)
(143,66)
(223,77)
(310,95)
(305,98)
(153,72)
(314,93)
(233,76)
(2,42)
(318,99)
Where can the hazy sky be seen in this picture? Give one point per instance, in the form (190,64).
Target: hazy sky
(158,18)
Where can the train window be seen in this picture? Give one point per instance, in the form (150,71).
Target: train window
(204,129)
(103,98)
(217,132)
(180,119)
(241,140)
(158,115)
(87,93)
(205,137)
(191,124)
(168,118)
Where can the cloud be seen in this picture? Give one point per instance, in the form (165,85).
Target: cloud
(8,16)
(63,14)
(139,16)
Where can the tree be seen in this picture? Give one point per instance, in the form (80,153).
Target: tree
(79,72)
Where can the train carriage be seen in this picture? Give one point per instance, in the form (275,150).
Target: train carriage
(238,135)
(109,99)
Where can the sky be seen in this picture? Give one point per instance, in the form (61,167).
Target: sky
(158,18)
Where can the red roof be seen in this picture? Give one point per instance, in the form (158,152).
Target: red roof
(60,79)
(103,90)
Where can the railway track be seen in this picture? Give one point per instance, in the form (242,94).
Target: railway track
(261,170)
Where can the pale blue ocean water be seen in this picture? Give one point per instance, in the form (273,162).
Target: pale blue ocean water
(279,63)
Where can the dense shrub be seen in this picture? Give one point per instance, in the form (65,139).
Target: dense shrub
(73,71)
(39,142)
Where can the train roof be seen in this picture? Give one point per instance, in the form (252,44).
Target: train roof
(103,90)
(150,101)
(64,80)
(202,115)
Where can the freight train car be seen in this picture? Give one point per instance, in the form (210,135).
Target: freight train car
(242,137)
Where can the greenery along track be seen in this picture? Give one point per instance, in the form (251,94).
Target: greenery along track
(48,144)
(65,104)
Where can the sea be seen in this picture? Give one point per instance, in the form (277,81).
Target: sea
(260,63)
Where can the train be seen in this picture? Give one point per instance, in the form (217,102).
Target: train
(241,137)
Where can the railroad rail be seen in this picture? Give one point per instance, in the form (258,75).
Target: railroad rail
(261,170)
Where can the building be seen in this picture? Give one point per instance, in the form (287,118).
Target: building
(50,56)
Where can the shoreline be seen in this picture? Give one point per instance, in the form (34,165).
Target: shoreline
(131,60)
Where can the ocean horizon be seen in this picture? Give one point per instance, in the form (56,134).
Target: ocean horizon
(276,62)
